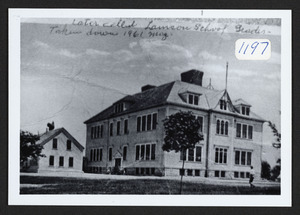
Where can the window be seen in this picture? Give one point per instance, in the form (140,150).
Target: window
(97,131)
(98,154)
(70,161)
(152,151)
(91,154)
(200,119)
(137,152)
(101,131)
(190,154)
(118,127)
(222,127)
(220,155)
(190,172)
(142,152)
(125,153)
(147,122)
(92,132)
(197,172)
(138,124)
(236,174)
(54,143)
(154,121)
(250,131)
(119,107)
(69,144)
(144,123)
(243,158)
(145,152)
(51,160)
(223,104)
(193,154)
(148,152)
(222,174)
(193,99)
(101,154)
(61,161)
(244,131)
(198,153)
(245,110)
(126,126)
(110,154)
(217,173)
(111,127)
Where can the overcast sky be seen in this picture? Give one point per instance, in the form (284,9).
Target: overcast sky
(69,78)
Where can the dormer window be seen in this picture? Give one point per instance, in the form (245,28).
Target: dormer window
(193,99)
(190,97)
(119,107)
(245,110)
(223,105)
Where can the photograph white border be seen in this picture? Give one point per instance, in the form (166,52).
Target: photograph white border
(15,198)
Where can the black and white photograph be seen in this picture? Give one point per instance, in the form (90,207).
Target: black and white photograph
(143,106)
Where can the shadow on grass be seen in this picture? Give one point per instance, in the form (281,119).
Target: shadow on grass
(61,185)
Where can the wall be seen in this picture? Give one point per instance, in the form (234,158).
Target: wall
(61,151)
(172,159)
(117,142)
(231,142)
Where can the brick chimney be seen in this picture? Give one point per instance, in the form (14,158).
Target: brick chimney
(192,76)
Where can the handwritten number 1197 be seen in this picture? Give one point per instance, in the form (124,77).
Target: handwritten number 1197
(253,47)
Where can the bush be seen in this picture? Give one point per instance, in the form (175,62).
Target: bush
(265,170)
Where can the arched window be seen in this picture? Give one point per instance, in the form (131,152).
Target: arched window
(226,128)
(218,126)
(222,127)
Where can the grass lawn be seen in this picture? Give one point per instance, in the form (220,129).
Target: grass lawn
(63,185)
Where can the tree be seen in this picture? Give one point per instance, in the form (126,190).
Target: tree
(265,170)
(181,133)
(275,172)
(28,146)
(276,144)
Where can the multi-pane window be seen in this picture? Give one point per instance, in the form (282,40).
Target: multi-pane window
(245,110)
(221,155)
(125,153)
(111,129)
(126,126)
(223,104)
(54,143)
(222,127)
(243,157)
(147,122)
(244,131)
(193,99)
(71,161)
(119,107)
(145,152)
(193,154)
(118,127)
(110,154)
(96,131)
(69,144)
(51,160)
(96,154)
(61,161)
